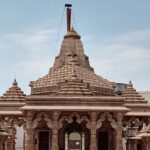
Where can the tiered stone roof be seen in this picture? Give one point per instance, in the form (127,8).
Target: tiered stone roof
(49,84)
(74,87)
(13,94)
(70,59)
(132,96)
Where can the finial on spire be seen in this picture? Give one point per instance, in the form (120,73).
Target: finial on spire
(68,14)
(130,83)
(15,82)
(72,29)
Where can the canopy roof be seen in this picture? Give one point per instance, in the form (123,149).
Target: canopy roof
(132,96)
(14,93)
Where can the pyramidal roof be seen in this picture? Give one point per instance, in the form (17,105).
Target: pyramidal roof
(13,94)
(71,58)
(74,87)
(132,96)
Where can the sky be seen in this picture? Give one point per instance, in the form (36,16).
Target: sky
(115,35)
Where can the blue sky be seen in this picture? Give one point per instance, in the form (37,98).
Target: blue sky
(115,35)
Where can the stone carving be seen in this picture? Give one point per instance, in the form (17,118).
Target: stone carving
(11,122)
(84,118)
(64,118)
(29,120)
(93,127)
(69,119)
(109,117)
(135,123)
(45,117)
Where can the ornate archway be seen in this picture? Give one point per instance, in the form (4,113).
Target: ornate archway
(73,133)
(106,132)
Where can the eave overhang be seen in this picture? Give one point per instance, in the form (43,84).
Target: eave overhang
(75,108)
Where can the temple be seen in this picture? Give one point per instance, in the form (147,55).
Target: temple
(72,108)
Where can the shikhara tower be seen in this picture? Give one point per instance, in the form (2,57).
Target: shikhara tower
(73,108)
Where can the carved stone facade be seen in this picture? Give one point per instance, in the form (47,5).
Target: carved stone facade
(57,122)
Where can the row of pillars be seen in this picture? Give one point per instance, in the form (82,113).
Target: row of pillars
(29,133)
(133,144)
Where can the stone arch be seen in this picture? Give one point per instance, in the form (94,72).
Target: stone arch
(106,132)
(69,119)
(103,117)
(80,120)
(46,118)
(10,124)
(42,126)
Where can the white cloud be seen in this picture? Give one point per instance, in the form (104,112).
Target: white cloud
(137,35)
(33,66)
(28,39)
(27,55)
(128,57)
(125,57)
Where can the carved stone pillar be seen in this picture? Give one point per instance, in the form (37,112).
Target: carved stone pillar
(93,142)
(146,144)
(29,132)
(1,143)
(119,132)
(55,139)
(128,145)
(55,129)
(66,141)
(9,144)
(10,140)
(135,145)
(147,139)
(93,128)
(83,141)
(29,139)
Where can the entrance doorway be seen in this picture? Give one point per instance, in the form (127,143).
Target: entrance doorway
(43,140)
(139,146)
(103,143)
(106,139)
(74,137)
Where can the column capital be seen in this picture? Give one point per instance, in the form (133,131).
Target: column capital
(93,117)
(56,115)
(119,116)
(30,113)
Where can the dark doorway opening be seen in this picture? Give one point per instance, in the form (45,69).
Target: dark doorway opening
(139,147)
(43,140)
(103,140)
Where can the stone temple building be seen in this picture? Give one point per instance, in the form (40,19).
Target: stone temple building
(72,108)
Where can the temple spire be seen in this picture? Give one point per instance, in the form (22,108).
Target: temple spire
(68,14)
